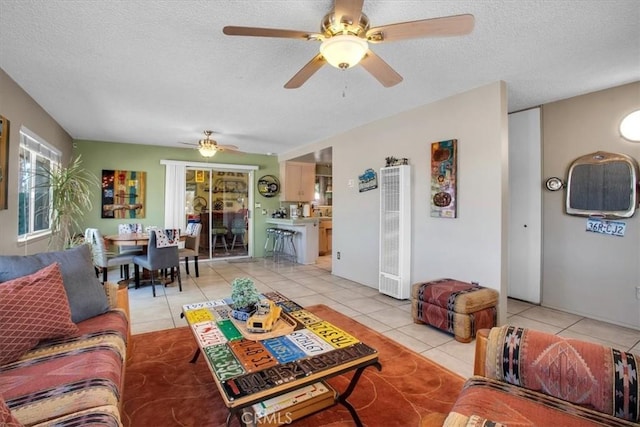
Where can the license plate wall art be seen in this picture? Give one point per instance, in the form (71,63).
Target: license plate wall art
(123,194)
(443,178)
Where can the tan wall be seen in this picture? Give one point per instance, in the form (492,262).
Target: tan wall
(471,247)
(587,273)
(21,110)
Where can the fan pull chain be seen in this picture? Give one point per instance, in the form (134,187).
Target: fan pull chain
(346,80)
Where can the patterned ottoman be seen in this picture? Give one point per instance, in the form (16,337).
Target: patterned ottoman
(456,307)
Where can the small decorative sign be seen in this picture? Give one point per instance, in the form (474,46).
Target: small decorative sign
(612,228)
(368,180)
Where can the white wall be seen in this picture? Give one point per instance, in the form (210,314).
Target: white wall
(586,273)
(471,247)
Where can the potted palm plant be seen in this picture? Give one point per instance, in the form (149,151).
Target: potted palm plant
(71,190)
(245,296)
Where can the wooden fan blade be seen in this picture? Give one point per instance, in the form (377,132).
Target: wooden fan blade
(380,69)
(306,72)
(270,32)
(228,148)
(456,25)
(348,11)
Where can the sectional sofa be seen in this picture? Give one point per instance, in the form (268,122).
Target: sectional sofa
(63,338)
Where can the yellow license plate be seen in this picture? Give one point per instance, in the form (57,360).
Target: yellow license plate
(198,315)
(332,334)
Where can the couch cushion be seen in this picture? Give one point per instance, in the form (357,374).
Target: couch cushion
(580,372)
(67,375)
(6,418)
(33,308)
(86,296)
(516,406)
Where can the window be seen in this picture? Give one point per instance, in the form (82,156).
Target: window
(34,194)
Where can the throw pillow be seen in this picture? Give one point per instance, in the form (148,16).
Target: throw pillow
(86,295)
(6,418)
(33,308)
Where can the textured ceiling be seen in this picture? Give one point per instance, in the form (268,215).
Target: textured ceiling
(160,72)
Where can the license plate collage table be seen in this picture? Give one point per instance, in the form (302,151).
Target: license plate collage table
(251,370)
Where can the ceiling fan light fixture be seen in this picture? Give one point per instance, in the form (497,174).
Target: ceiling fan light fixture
(207,150)
(344,50)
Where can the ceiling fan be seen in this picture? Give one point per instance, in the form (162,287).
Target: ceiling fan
(209,147)
(345,35)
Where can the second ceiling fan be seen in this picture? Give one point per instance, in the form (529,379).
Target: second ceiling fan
(345,36)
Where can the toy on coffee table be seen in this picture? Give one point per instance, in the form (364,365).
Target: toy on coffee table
(265,317)
(260,315)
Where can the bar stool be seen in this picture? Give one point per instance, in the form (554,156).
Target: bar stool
(286,245)
(270,243)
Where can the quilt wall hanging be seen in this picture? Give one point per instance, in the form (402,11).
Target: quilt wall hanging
(123,194)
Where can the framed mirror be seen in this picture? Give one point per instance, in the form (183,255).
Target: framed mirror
(4,161)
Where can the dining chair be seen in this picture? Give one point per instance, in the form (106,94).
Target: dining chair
(130,250)
(191,246)
(102,258)
(238,228)
(162,254)
(220,231)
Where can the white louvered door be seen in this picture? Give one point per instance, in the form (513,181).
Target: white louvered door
(395,231)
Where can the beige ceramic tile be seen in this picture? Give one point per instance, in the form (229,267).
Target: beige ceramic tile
(365,305)
(524,322)
(550,316)
(371,323)
(465,370)
(152,325)
(624,337)
(429,335)
(392,316)
(407,341)
(515,306)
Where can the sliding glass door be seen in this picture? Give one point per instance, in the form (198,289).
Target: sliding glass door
(218,198)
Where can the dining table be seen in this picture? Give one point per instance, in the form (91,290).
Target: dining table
(128,239)
(135,239)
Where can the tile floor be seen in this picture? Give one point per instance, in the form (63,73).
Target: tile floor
(314,284)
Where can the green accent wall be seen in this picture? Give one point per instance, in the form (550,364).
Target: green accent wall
(99,155)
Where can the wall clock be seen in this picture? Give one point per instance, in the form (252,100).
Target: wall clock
(268,186)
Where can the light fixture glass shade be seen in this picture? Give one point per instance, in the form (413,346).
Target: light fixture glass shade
(344,50)
(207,150)
(630,126)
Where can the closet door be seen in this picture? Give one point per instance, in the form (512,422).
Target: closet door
(525,213)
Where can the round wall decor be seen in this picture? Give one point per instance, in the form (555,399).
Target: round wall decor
(268,186)
(554,184)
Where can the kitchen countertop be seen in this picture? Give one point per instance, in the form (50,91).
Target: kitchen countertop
(292,221)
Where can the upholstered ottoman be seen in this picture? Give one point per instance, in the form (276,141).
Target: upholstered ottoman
(456,307)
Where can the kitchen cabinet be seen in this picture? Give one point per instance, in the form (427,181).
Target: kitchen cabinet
(298,181)
(325,237)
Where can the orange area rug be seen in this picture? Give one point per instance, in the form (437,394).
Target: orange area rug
(162,388)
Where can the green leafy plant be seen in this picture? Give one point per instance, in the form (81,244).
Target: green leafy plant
(71,189)
(244,293)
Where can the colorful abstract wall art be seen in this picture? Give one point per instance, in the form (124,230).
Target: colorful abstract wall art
(443,178)
(123,194)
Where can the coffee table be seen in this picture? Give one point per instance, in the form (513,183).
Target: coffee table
(301,350)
